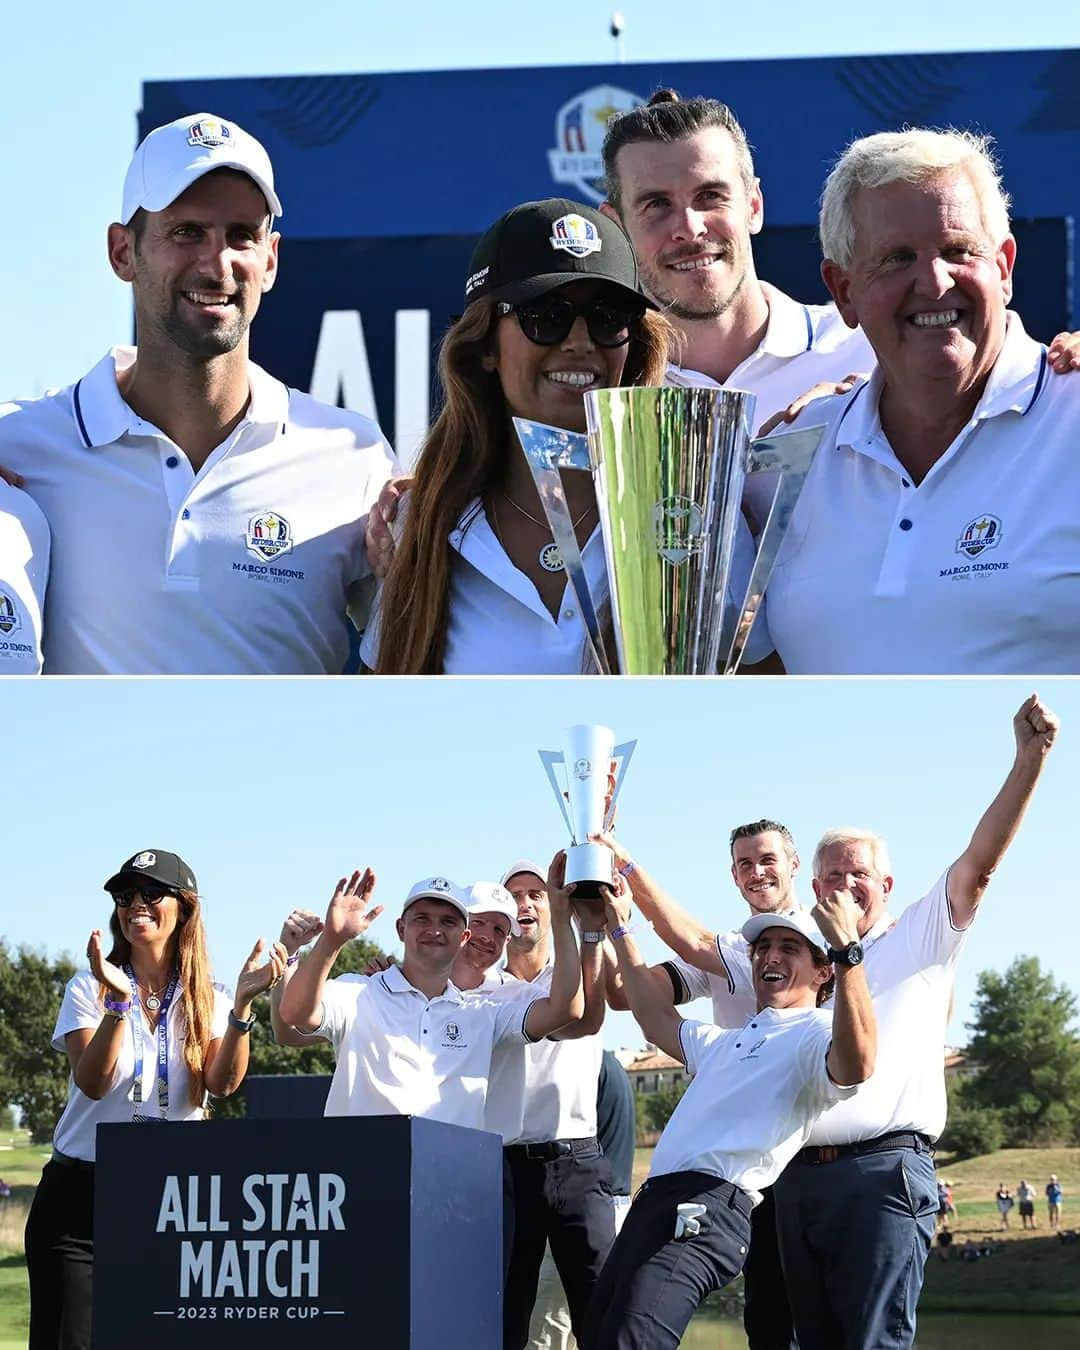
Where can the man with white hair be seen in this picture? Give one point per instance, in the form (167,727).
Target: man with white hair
(205,518)
(936,531)
(856,1208)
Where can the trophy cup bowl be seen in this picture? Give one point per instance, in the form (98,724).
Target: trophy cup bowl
(684,580)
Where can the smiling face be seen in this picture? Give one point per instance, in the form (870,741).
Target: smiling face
(851,866)
(690,217)
(200,267)
(784,970)
(547,384)
(534,912)
(927,284)
(488,934)
(147,925)
(432,932)
(764,872)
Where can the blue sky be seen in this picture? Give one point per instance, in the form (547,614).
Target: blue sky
(71,77)
(272,789)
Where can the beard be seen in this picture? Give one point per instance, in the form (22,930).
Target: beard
(706,306)
(195,339)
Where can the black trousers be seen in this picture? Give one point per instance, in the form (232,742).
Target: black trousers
(766,1316)
(567,1201)
(60,1257)
(653,1282)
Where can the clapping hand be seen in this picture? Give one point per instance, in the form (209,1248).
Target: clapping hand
(300,928)
(255,978)
(349,916)
(104,971)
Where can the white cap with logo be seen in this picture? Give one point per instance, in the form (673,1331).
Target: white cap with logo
(523,865)
(488,897)
(439,888)
(174,156)
(798,920)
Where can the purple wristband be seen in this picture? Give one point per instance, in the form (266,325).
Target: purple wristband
(292,960)
(113,1005)
(622,931)
(626,869)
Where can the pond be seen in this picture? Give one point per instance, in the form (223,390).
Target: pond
(936,1332)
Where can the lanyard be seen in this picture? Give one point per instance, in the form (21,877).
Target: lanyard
(162,1049)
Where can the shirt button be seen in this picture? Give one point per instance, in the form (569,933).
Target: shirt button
(905,482)
(569,613)
(753,1026)
(905,524)
(171,462)
(185,514)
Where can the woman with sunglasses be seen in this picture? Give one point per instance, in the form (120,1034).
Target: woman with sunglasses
(552,310)
(147,1036)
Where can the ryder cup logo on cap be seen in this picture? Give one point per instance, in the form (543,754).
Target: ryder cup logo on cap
(574,234)
(439,888)
(146,859)
(178,154)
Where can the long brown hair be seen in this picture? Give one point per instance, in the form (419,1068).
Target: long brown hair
(462,459)
(193,964)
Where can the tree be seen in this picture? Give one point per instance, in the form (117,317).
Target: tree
(269,1057)
(32,1076)
(1025,1054)
(659,1106)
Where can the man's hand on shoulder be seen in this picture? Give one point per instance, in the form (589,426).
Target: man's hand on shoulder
(378,536)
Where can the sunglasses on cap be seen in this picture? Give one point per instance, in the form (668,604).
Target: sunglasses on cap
(548,320)
(151,891)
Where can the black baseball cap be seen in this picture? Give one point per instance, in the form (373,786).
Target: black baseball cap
(167,868)
(539,246)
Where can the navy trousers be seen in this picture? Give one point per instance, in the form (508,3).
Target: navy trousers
(854,1237)
(652,1283)
(766,1315)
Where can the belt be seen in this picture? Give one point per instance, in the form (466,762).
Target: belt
(550,1149)
(827,1153)
(65,1160)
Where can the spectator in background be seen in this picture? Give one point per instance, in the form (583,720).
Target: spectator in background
(1004,1201)
(1025,1194)
(1053,1200)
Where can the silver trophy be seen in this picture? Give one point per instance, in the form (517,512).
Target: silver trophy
(579,778)
(670,467)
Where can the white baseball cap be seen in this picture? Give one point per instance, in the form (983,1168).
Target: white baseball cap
(176,155)
(439,888)
(798,920)
(489,897)
(524,865)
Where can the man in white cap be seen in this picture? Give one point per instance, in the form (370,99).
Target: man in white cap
(542,1100)
(451,1036)
(754,1095)
(205,518)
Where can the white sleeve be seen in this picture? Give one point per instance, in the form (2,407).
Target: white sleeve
(696,1039)
(510,1014)
(814,1054)
(339,1001)
(927,926)
(82,1007)
(688,982)
(223,1001)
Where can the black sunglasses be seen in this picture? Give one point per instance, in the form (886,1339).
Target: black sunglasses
(548,321)
(151,891)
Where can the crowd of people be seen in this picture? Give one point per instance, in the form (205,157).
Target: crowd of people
(800,1153)
(230,511)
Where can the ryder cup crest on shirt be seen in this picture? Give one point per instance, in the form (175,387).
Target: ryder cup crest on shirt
(580,126)
(9,614)
(269,536)
(979,534)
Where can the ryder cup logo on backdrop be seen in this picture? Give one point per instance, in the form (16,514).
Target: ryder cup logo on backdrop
(979,534)
(269,535)
(9,615)
(580,126)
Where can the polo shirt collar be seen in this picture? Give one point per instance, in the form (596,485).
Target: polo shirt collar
(1018,377)
(394,980)
(790,331)
(103,416)
(779,1014)
(879,929)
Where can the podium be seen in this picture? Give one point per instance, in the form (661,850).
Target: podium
(381,1231)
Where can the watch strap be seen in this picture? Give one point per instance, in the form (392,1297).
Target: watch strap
(238,1023)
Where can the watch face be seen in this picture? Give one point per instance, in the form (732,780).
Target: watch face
(854,953)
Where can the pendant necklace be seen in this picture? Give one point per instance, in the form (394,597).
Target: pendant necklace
(549,557)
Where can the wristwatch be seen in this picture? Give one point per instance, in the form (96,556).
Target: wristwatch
(597,936)
(239,1024)
(851,955)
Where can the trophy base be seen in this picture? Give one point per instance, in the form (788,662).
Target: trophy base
(588,867)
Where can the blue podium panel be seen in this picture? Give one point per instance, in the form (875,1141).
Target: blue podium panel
(348,1231)
(285,1096)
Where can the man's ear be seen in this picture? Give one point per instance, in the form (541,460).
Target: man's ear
(838,282)
(121,251)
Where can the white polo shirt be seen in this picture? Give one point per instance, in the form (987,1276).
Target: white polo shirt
(546,1089)
(974,572)
(400,1053)
(910,967)
(497,623)
(732,994)
(753,1097)
(246,567)
(24,572)
(76,1130)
